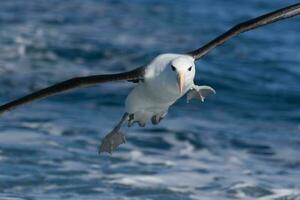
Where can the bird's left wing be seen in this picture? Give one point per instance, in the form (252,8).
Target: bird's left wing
(268,18)
(133,75)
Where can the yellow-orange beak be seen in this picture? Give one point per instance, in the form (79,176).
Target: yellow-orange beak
(180,79)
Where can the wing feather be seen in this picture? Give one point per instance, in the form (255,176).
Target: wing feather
(268,18)
(136,74)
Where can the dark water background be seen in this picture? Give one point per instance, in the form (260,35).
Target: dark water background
(243,143)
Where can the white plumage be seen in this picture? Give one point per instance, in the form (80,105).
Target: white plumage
(159,90)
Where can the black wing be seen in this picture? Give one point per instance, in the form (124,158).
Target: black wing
(277,15)
(136,74)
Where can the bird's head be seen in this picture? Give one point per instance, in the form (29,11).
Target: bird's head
(182,70)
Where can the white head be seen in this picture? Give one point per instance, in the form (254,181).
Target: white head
(181,70)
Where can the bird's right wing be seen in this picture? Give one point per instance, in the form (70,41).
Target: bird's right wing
(133,75)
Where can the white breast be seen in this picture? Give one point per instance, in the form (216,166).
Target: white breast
(155,94)
(147,98)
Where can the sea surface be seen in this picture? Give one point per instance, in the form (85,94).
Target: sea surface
(242,143)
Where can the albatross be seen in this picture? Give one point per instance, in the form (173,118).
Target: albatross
(159,84)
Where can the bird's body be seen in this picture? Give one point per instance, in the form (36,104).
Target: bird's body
(159,84)
(158,91)
(167,78)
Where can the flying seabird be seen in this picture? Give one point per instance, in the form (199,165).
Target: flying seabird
(158,84)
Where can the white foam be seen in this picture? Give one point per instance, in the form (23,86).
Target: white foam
(139,180)
(138,156)
(282,193)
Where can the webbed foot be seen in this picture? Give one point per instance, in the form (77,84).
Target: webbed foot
(200,92)
(111,141)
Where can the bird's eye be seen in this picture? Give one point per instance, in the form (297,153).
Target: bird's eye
(190,68)
(173,68)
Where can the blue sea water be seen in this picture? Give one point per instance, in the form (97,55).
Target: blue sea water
(242,143)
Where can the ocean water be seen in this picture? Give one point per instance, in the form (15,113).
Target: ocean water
(242,143)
